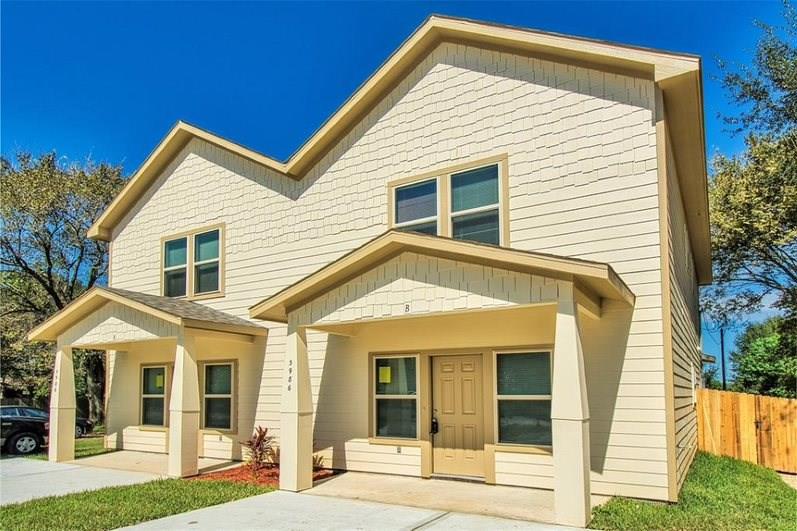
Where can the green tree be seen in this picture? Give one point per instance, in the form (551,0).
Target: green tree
(46,208)
(753,195)
(761,364)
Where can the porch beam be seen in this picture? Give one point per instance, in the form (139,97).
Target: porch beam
(62,407)
(587,301)
(296,415)
(184,409)
(570,418)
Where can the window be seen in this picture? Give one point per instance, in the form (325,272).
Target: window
(218,396)
(175,271)
(206,262)
(153,396)
(471,200)
(523,398)
(416,207)
(395,397)
(474,205)
(192,264)
(36,413)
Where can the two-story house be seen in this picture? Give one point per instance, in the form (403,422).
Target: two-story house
(485,264)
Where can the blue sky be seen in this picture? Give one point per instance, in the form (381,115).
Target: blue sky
(108,80)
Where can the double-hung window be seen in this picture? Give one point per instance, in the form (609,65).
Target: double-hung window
(192,264)
(463,204)
(475,213)
(153,395)
(523,398)
(218,393)
(206,262)
(395,397)
(416,207)
(175,267)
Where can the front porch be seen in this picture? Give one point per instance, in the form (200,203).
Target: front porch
(449,358)
(174,369)
(149,462)
(517,503)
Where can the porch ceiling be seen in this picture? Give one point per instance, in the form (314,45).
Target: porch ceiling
(174,311)
(597,278)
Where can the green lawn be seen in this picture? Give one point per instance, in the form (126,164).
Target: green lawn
(84,447)
(719,494)
(115,507)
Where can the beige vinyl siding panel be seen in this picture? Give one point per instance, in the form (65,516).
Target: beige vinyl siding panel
(582,183)
(687,363)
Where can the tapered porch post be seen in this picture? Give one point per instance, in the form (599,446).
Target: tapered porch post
(296,415)
(62,407)
(570,418)
(184,410)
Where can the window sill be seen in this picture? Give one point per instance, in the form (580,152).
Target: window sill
(217,431)
(144,427)
(205,296)
(523,449)
(386,441)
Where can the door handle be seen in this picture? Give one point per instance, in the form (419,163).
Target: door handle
(435,426)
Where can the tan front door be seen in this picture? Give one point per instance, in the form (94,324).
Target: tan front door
(457,406)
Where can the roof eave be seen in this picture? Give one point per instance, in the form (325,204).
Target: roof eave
(392,243)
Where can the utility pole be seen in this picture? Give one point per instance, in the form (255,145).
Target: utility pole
(722,356)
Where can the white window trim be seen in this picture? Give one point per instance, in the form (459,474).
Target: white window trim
(416,396)
(231,395)
(499,398)
(163,396)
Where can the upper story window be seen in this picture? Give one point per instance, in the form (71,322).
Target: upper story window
(464,203)
(192,264)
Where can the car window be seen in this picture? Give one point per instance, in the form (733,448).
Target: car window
(10,412)
(38,413)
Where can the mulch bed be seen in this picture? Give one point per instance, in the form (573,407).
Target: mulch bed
(265,477)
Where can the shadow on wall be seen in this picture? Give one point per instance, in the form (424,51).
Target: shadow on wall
(342,402)
(604,342)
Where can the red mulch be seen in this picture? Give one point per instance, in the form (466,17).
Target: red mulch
(265,477)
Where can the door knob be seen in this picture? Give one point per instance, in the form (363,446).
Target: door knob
(435,426)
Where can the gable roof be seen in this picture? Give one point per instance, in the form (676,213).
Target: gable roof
(598,277)
(176,311)
(678,75)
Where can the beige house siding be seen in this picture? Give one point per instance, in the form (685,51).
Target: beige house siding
(581,149)
(687,364)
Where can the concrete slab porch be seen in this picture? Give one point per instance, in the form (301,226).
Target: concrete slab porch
(148,462)
(446,495)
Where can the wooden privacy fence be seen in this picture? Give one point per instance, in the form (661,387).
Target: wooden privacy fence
(755,428)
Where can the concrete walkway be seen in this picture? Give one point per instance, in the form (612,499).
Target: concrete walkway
(23,479)
(288,511)
(460,496)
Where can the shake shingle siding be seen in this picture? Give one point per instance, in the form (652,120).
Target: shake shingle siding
(581,147)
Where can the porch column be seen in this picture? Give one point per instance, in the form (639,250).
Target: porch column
(296,415)
(184,410)
(62,407)
(570,418)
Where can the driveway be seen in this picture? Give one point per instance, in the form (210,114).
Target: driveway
(23,479)
(289,511)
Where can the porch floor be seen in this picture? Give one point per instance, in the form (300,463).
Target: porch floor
(519,503)
(148,462)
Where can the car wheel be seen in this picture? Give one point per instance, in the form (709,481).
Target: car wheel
(24,443)
(78,432)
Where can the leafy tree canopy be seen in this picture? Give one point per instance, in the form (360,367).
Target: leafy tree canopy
(761,364)
(46,261)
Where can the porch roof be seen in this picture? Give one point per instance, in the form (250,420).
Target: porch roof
(175,311)
(599,278)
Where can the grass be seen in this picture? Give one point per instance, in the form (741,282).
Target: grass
(114,507)
(719,493)
(85,447)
